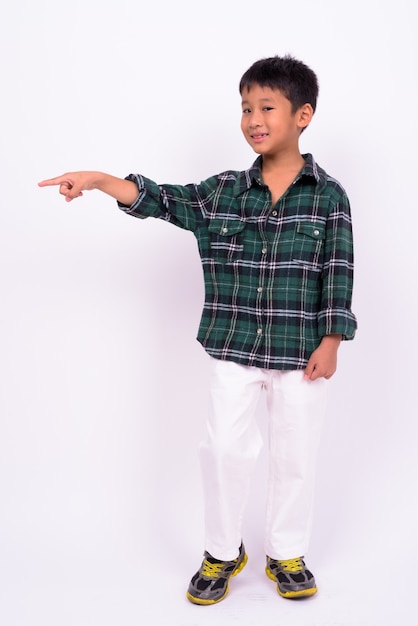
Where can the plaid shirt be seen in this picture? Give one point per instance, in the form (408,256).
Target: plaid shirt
(277,278)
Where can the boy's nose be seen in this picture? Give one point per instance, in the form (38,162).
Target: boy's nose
(255,121)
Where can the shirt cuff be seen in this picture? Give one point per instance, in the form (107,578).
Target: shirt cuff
(146,203)
(337,322)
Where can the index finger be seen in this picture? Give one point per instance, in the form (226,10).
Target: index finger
(58,180)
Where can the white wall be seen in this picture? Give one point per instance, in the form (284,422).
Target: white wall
(102,384)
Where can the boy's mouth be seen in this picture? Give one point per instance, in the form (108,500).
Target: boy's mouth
(259,137)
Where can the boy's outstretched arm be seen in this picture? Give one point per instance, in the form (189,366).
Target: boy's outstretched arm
(323,360)
(72,185)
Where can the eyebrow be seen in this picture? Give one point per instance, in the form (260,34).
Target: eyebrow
(261,100)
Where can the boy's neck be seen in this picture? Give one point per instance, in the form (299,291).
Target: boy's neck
(279,173)
(282,163)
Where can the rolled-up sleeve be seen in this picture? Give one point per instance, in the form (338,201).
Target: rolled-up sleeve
(184,206)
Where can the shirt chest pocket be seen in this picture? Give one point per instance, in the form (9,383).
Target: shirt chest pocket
(226,239)
(308,244)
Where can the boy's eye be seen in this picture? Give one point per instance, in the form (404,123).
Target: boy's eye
(245,110)
(267,108)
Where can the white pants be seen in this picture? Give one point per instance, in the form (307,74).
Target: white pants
(296,408)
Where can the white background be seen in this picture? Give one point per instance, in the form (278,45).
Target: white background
(102,384)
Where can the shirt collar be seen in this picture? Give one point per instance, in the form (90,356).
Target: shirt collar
(252,176)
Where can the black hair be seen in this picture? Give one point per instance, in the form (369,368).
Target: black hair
(295,80)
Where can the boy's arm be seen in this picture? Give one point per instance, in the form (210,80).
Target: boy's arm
(336,321)
(335,316)
(72,185)
(181,205)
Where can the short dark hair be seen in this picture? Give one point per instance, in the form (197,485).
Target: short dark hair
(295,80)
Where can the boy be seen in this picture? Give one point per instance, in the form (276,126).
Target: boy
(276,248)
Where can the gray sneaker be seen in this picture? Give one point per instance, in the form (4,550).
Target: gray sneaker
(210,584)
(293,579)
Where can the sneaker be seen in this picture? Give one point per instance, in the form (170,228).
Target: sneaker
(293,579)
(210,584)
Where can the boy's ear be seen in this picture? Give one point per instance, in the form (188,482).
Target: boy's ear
(304,115)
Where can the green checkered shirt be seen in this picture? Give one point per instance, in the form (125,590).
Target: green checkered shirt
(277,278)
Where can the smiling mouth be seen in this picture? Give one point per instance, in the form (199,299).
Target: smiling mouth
(259,137)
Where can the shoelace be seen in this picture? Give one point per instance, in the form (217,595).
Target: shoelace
(292,565)
(211,570)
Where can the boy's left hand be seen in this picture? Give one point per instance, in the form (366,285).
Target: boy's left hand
(323,361)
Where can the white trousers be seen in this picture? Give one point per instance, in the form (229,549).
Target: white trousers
(296,409)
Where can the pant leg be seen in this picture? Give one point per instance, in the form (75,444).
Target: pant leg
(296,410)
(229,453)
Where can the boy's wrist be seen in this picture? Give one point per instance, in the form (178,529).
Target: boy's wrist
(336,338)
(331,341)
(99,180)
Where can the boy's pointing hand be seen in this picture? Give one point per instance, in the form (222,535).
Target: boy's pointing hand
(71,185)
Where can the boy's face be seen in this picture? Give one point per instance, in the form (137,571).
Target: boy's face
(268,123)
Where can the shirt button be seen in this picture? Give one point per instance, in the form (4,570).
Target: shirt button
(260,289)
(259,331)
(264,250)
(316,232)
(224,230)
(274,213)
